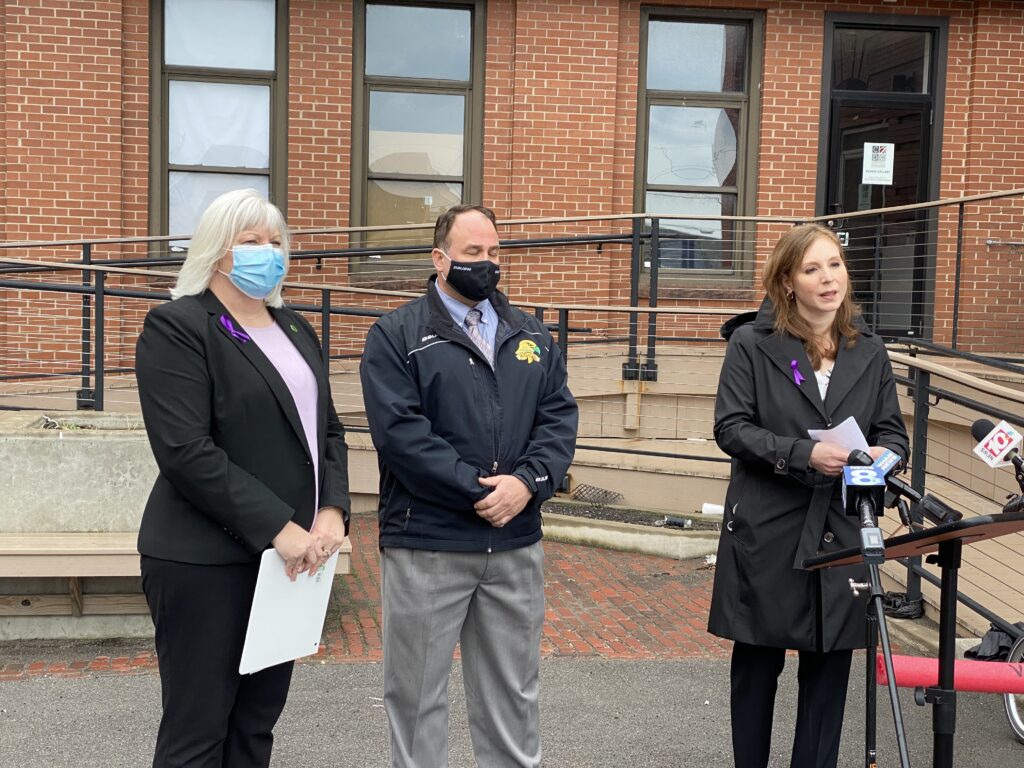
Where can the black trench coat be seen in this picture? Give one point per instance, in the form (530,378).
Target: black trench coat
(778,511)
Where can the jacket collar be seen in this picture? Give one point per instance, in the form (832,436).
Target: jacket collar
(440,319)
(787,353)
(228,326)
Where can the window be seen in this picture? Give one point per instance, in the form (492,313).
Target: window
(697,137)
(218,112)
(418,114)
(881,60)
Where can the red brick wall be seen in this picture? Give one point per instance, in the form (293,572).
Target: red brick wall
(563,107)
(63,119)
(63,146)
(993,131)
(319,110)
(559,140)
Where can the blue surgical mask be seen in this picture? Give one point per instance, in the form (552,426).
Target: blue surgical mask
(257,269)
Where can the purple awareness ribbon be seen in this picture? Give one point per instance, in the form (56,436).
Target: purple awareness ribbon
(797,376)
(236,334)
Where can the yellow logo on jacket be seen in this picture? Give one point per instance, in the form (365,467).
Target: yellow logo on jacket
(528,352)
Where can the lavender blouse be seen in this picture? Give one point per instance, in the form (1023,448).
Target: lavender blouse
(292,366)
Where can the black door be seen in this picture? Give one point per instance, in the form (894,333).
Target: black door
(884,80)
(887,253)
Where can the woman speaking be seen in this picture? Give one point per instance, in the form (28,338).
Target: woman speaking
(251,455)
(805,362)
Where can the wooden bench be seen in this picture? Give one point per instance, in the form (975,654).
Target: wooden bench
(74,556)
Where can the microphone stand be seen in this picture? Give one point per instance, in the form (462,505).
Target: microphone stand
(873,550)
(948,536)
(942,696)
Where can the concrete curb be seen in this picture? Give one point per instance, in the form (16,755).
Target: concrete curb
(648,540)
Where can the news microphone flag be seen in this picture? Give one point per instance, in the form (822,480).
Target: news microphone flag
(887,462)
(996,447)
(858,480)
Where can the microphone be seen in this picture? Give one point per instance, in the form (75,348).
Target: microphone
(886,464)
(934,509)
(862,482)
(998,444)
(859,458)
(863,495)
(938,511)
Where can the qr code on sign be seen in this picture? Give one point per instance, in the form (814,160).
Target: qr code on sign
(877,152)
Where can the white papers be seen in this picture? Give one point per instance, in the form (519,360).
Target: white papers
(287,616)
(846,435)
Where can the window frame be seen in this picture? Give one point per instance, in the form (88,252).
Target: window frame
(747,102)
(159,90)
(473,115)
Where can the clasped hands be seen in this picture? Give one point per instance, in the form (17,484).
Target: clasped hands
(830,458)
(304,550)
(508,497)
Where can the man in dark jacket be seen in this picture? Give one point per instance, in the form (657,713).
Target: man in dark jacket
(474,428)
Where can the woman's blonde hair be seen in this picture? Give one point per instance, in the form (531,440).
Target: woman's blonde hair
(785,260)
(218,227)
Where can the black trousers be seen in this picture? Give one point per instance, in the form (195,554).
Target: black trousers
(822,678)
(212,716)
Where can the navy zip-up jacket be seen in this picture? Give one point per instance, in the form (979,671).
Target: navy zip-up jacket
(441,418)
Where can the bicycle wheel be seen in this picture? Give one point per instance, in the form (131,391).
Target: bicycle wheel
(1015,701)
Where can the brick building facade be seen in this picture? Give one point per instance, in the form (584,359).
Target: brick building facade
(537,109)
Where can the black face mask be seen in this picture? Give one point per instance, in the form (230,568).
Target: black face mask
(476,280)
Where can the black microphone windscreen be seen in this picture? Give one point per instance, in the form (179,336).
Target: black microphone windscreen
(859,458)
(1014,505)
(980,428)
(938,511)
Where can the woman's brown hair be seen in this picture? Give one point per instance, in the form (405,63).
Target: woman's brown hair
(785,260)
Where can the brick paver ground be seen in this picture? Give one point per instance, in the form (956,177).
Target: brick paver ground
(600,604)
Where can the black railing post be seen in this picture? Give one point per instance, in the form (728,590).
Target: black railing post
(649,370)
(563,333)
(876,276)
(918,467)
(956,277)
(86,396)
(100,323)
(325,327)
(631,368)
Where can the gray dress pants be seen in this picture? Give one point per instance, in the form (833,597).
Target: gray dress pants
(493,605)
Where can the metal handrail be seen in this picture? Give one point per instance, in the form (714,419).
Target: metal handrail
(958,376)
(920,369)
(295,233)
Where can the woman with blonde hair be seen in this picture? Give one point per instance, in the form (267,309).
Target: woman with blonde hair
(806,361)
(251,455)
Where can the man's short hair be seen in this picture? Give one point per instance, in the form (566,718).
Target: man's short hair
(443,227)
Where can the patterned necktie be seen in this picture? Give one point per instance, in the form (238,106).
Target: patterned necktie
(474,332)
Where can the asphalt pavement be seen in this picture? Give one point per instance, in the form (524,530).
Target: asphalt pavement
(630,678)
(595,712)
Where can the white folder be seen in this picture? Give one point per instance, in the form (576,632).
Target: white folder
(287,617)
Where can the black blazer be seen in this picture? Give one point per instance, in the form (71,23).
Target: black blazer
(226,435)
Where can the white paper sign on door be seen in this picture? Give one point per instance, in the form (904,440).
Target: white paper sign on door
(878,159)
